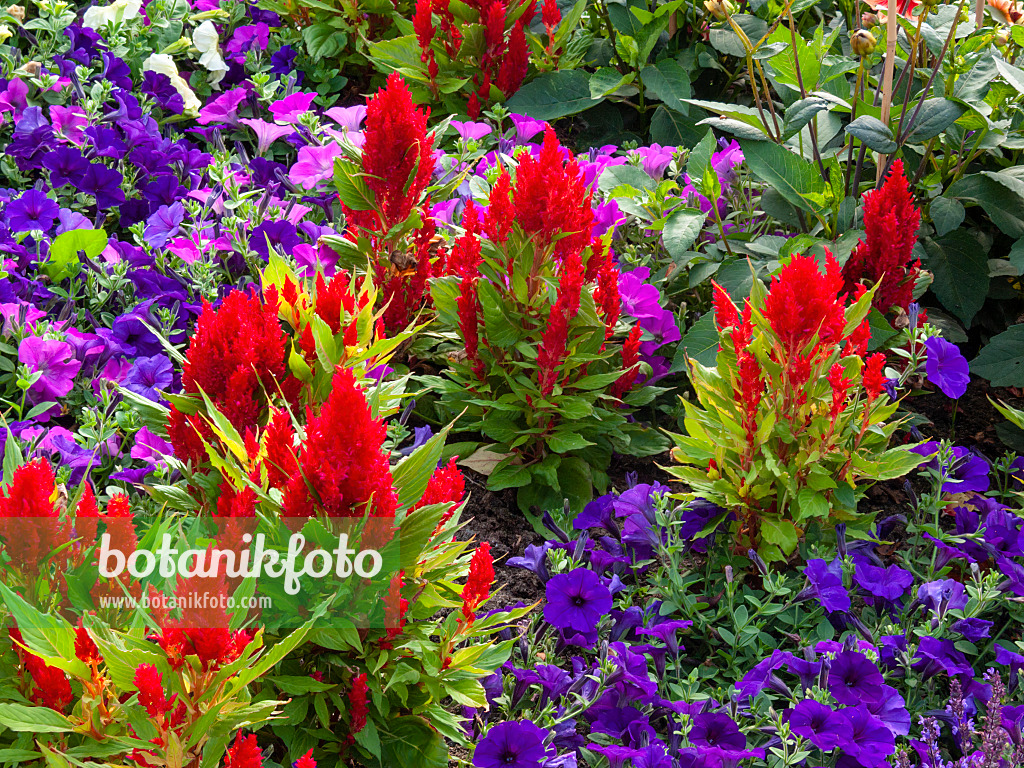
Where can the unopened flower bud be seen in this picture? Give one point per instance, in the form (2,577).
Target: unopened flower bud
(862,42)
(868,20)
(728,574)
(17,12)
(720,9)
(33,68)
(1002,39)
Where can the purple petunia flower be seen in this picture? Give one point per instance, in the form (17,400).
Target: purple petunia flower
(64,164)
(819,724)
(149,374)
(869,741)
(164,224)
(55,360)
(576,600)
(967,471)
(943,595)
(826,584)
(512,744)
(889,583)
(32,211)
(715,729)
(946,367)
(470,131)
(102,183)
(854,679)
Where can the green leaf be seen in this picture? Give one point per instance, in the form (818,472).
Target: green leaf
(1013,75)
(500,330)
(553,95)
(947,214)
(873,132)
(672,129)
(960,266)
(782,533)
(630,176)
(701,341)
(793,177)
(1000,194)
(408,741)
(323,41)
(13,457)
(352,187)
(413,473)
(1001,362)
(563,442)
(699,159)
(801,112)
(62,261)
(20,718)
(606,81)
(668,82)
(936,115)
(682,229)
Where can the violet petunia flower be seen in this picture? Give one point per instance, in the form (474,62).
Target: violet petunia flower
(164,224)
(819,724)
(148,375)
(512,744)
(887,584)
(576,600)
(55,360)
(854,679)
(947,369)
(32,211)
(825,583)
(967,471)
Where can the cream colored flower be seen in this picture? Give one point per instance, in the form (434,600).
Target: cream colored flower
(98,16)
(164,64)
(206,40)
(5,32)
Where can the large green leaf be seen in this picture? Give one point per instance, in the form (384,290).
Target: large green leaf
(18,717)
(701,341)
(873,132)
(409,742)
(936,115)
(682,229)
(553,95)
(792,177)
(668,82)
(960,266)
(63,259)
(1001,362)
(1001,195)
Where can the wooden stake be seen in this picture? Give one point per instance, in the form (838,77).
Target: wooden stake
(979,14)
(890,66)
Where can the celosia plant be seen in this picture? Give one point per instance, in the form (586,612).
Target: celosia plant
(534,299)
(323,469)
(792,422)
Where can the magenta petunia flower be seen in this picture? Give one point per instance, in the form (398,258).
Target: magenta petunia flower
(266,133)
(350,118)
(290,108)
(223,109)
(55,360)
(315,164)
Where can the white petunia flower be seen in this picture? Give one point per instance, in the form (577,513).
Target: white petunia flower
(98,16)
(206,40)
(164,65)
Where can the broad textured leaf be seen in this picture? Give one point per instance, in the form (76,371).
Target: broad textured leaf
(801,112)
(936,115)
(947,214)
(409,742)
(793,177)
(699,159)
(873,132)
(553,95)
(63,262)
(1001,362)
(960,267)
(668,82)
(607,80)
(673,129)
(1000,194)
(701,341)
(24,719)
(1011,74)
(682,229)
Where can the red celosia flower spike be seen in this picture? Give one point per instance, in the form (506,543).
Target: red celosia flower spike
(29,524)
(726,314)
(150,683)
(358,700)
(516,61)
(803,303)
(397,154)
(478,583)
(341,458)
(501,213)
(423,26)
(874,379)
(85,648)
(550,16)
(890,222)
(306,761)
(447,484)
(840,387)
(551,198)
(244,753)
(630,363)
(237,354)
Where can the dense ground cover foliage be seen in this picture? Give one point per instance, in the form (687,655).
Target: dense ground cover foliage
(337,270)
